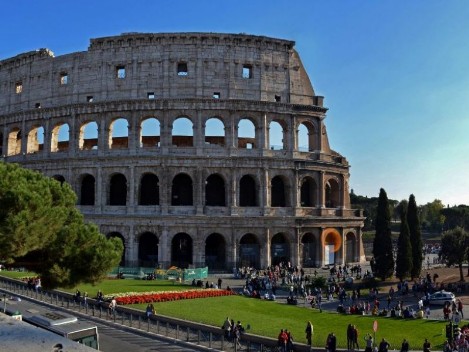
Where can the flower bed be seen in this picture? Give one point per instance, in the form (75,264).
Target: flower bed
(154,297)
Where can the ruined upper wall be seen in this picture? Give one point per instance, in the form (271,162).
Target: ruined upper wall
(159,66)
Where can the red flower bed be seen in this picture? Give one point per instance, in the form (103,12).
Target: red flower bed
(170,296)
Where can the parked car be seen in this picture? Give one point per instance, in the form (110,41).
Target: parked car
(440,298)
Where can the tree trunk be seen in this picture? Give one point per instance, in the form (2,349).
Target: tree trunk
(461,275)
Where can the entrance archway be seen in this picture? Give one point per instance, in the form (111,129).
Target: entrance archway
(215,252)
(148,250)
(309,246)
(332,243)
(279,249)
(249,251)
(181,250)
(350,247)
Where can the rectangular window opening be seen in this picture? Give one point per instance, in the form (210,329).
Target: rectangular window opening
(89,98)
(19,87)
(278,98)
(247,71)
(120,72)
(64,78)
(151,95)
(182,69)
(216,95)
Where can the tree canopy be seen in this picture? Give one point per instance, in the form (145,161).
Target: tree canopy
(382,245)
(455,247)
(42,230)
(415,235)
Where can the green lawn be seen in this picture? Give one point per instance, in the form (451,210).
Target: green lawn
(267,318)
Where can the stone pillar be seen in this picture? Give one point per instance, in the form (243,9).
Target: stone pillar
(264,190)
(265,248)
(164,249)
(199,191)
(261,133)
(132,184)
(100,189)
(295,247)
(321,191)
(133,134)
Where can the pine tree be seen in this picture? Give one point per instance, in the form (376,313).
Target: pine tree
(382,245)
(415,237)
(404,249)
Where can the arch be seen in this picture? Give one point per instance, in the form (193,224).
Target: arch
(308,192)
(332,242)
(309,250)
(249,251)
(215,191)
(181,190)
(247,191)
(306,137)
(60,138)
(118,190)
(276,136)
(59,178)
(181,250)
(246,134)
(215,257)
(148,250)
(118,235)
(279,249)
(214,131)
(119,134)
(182,132)
(1,144)
(149,190)
(88,138)
(350,247)
(14,141)
(277,192)
(87,190)
(332,193)
(150,133)
(35,141)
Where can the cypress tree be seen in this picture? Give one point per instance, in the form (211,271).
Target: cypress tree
(382,245)
(404,249)
(415,237)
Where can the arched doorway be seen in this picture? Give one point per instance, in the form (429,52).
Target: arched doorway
(332,244)
(118,235)
(309,250)
(181,191)
(149,193)
(249,251)
(277,193)
(215,252)
(279,249)
(215,191)
(87,191)
(332,194)
(181,250)
(350,248)
(148,250)
(308,192)
(247,192)
(118,190)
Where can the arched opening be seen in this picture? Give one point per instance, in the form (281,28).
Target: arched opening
(118,190)
(119,134)
(182,133)
(148,250)
(1,144)
(308,192)
(277,197)
(181,250)
(118,235)
(276,136)
(214,132)
(279,249)
(87,191)
(88,139)
(306,138)
(247,192)
(350,248)
(215,252)
(332,194)
(309,246)
(150,133)
(60,138)
(35,140)
(14,142)
(249,251)
(332,243)
(181,190)
(246,134)
(149,193)
(215,191)
(59,178)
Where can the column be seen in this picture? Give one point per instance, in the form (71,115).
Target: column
(321,191)
(266,259)
(164,249)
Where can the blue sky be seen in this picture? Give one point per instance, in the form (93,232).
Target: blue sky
(395,74)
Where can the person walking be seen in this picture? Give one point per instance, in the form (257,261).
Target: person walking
(383,346)
(426,346)
(405,346)
(309,334)
(368,343)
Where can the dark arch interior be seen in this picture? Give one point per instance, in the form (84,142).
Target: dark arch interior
(277,192)
(181,192)
(215,191)
(249,251)
(148,250)
(280,249)
(118,190)
(247,192)
(181,250)
(87,193)
(149,190)
(309,250)
(215,252)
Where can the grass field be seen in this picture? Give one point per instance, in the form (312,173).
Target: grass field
(266,318)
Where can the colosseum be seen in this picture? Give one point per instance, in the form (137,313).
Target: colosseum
(195,149)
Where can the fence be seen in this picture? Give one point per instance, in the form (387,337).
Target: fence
(178,329)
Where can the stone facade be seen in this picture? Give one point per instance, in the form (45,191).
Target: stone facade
(216,191)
